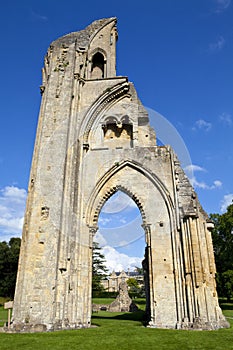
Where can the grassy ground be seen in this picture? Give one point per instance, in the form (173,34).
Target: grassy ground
(3,316)
(123,331)
(102,300)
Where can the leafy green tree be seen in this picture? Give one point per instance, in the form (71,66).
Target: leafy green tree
(9,255)
(4,250)
(227,284)
(134,288)
(222,236)
(139,270)
(99,269)
(133,283)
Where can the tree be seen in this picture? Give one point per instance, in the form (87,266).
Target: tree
(227,284)
(135,289)
(9,255)
(99,270)
(139,270)
(222,236)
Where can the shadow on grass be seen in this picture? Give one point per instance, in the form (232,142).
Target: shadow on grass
(226,306)
(138,316)
(139,302)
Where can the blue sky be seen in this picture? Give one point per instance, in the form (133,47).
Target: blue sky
(179,56)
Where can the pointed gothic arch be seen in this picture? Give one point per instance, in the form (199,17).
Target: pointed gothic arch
(162,222)
(110,192)
(108,175)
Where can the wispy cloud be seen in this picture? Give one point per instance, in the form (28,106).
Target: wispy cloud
(99,238)
(221,5)
(225,202)
(217,184)
(226,119)
(204,186)
(217,45)
(104,221)
(12,206)
(123,220)
(38,17)
(191,169)
(201,124)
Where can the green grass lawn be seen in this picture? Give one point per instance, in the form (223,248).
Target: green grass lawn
(102,300)
(3,316)
(121,332)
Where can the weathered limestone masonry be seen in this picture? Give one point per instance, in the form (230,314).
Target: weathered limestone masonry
(93,139)
(122,303)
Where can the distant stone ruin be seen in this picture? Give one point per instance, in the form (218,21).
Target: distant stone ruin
(122,303)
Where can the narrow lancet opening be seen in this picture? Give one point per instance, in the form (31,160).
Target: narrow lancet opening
(97,68)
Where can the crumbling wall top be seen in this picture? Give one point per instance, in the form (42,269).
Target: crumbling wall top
(83,37)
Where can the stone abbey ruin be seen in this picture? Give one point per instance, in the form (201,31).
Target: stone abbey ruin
(93,139)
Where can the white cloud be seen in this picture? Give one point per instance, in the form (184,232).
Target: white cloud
(10,224)
(12,206)
(123,221)
(221,5)
(124,243)
(226,119)
(118,261)
(192,167)
(114,260)
(226,201)
(217,184)
(201,124)
(201,184)
(198,184)
(104,221)
(218,44)
(14,193)
(99,238)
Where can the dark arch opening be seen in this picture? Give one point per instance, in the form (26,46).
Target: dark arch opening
(97,67)
(118,135)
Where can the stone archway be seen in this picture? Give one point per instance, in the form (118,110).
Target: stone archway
(158,224)
(74,171)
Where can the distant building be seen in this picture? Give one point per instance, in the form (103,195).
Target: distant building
(111,284)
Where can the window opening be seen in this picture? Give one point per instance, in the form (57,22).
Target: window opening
(97,68)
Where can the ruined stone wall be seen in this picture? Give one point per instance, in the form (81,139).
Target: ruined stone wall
(94,138)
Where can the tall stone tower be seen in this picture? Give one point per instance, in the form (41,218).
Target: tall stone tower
(93,139)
